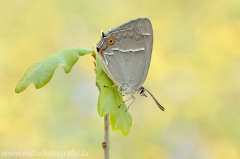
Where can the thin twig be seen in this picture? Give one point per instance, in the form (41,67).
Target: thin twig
(105,143)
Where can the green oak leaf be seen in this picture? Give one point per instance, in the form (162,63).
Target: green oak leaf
(41,73)
(109,100)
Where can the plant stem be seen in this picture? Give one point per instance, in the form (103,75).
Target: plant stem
(105,143)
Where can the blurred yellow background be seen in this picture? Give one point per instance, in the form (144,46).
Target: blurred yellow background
(194,73)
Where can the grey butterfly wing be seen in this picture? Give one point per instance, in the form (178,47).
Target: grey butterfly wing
(145,28)
(127,60)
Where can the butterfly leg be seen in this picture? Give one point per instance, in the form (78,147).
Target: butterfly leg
(124,102)
(143,95)
(133,99)
(111,86)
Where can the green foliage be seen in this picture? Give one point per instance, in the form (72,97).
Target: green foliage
(41,73)
(109,100)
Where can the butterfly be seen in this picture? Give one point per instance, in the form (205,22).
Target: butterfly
(125,53)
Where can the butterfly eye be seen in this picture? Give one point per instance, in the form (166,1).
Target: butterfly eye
(110,41)
(142,91)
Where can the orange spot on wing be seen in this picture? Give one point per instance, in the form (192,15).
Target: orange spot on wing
(100,51)
(110,41)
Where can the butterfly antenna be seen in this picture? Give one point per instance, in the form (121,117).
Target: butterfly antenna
(158,104)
